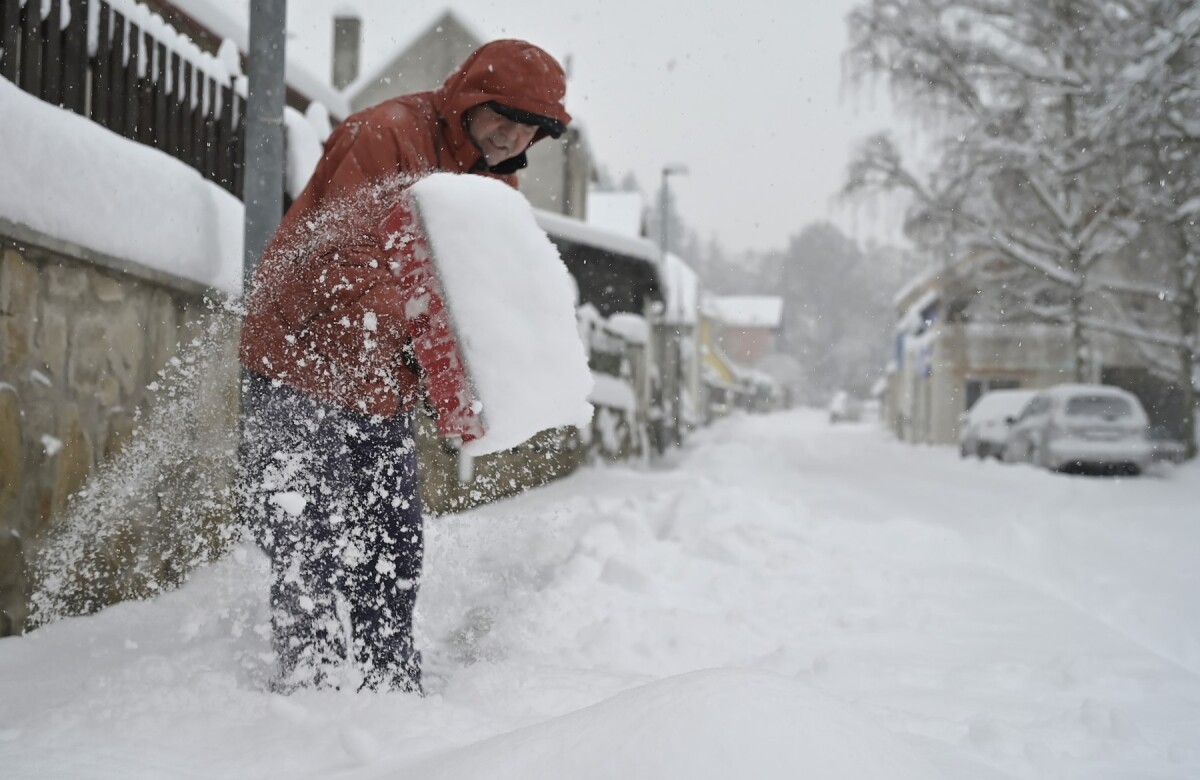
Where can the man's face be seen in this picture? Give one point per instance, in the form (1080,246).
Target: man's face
(498,137)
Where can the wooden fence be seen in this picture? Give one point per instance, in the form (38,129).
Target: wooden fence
(125,79)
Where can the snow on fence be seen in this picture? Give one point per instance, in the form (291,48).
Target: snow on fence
(616,356)
(126,69)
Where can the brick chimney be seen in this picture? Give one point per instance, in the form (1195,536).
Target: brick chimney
(347,39)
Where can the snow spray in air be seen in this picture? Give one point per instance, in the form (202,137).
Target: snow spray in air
(163,504)
(167,502)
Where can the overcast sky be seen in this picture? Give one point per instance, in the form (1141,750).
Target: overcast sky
(748,94)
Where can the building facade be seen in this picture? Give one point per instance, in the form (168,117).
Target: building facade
(559,170)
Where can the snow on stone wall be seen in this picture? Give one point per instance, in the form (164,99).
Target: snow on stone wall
(78,182)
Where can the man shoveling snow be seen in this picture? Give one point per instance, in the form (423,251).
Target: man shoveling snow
(330,483)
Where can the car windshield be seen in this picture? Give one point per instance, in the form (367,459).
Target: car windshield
(999,404)
(1106,406)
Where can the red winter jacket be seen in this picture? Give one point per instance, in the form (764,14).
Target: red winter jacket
(324,315)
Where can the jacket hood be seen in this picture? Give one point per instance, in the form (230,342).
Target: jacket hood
(512,73)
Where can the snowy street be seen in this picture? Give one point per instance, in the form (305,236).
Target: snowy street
(427,391)
(783,598)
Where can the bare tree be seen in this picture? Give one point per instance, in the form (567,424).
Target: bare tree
(1154,118)
(1020,172)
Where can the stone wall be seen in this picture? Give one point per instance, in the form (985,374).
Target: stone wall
(80,342)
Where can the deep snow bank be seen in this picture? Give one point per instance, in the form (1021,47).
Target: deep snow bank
(844,593)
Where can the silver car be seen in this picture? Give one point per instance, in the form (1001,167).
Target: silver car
(1081,426)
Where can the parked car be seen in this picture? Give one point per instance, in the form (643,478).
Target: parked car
(1082,426)
(844,408)
(984,427)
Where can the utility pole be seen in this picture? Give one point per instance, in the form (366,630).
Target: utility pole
(263,193)
(669,346)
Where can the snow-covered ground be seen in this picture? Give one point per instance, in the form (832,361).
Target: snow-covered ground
(784,599)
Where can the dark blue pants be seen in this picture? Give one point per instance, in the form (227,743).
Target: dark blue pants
(333,499)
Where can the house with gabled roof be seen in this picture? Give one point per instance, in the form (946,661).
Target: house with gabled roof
(747,325)
(736,333)
(419,63)
(559,169)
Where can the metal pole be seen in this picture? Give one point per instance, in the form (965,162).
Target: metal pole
(659,339)
(263,188)
(670,349)
(264,130)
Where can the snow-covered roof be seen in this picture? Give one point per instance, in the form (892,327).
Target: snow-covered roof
(914,285)
(582,233)
(913,317)
(931,278)
(222,23)
(618,211)
(748,311)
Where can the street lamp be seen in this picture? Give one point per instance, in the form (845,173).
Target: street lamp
(670,402)
(668,170)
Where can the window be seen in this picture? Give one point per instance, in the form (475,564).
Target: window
(1039,405)
(1107,406)
(977,387)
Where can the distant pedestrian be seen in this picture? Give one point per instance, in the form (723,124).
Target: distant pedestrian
(330,481)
